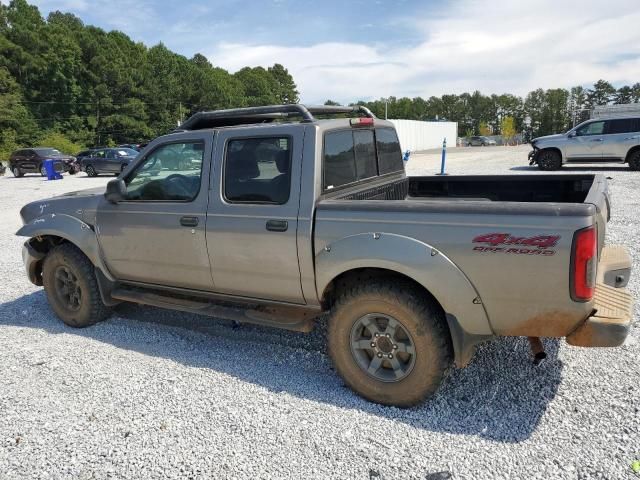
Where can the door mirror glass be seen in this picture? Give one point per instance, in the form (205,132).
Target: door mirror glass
(572,134)
(116,190)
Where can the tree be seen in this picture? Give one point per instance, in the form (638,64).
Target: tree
(623,95)
(484,129)
(508,129)
(331,102)
(286,91)
(601,94)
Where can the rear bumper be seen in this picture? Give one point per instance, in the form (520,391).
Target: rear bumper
(609,325)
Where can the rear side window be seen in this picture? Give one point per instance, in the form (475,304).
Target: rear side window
(623,125)
(389,154)
(258,170)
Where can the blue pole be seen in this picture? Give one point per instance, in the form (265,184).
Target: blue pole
(444,156)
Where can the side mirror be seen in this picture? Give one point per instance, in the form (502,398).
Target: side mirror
(116,190)
(572,134)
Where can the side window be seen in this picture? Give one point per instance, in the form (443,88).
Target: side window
(365,151)
(98,154)
(258,170)
(339,161)
(389,154)
(170,172)
(110,154)
(623,125)
(593,128)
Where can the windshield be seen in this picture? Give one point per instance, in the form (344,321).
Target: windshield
(48,152)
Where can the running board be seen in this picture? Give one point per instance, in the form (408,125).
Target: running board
(298,319)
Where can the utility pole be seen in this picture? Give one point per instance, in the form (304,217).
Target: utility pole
(98,123)
(386,107)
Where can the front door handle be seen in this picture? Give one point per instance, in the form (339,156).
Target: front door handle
(189,221)
(596,140)
(277,225)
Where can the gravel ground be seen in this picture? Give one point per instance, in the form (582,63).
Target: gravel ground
(158,394)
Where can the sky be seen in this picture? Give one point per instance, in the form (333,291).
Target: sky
(352,50)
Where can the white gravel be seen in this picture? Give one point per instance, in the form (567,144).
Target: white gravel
(158,394)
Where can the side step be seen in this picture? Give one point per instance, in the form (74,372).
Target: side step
(299,319)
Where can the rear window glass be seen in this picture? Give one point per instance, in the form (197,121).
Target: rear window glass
(389,154)
(339,160)
(365,152)
(623,125)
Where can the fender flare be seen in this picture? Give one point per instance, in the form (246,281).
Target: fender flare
(417,260)
(71,229)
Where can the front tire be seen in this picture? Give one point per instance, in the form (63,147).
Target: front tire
(549,160)
(389,343)
(634,160)
(17,172)
(71,287)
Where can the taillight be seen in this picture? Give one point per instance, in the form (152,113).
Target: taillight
(584,263)
(361,122)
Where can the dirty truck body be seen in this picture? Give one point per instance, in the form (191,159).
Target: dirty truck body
(283,221)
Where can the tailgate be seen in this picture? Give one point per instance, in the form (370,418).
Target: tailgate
(599,197)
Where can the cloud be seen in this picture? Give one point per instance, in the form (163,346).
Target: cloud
(496,47)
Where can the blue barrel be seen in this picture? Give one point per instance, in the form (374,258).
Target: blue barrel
(49,167)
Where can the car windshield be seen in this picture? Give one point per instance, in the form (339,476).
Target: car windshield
(48,152)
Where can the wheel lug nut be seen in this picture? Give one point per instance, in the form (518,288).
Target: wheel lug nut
(373,345)
(376,335)
(379,355)
(390,356)
(388,336)
(395,347)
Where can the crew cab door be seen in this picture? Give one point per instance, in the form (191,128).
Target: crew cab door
(157,234)
(252,219)
(587,144)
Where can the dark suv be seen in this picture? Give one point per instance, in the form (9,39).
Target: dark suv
(107,160)
(31,160)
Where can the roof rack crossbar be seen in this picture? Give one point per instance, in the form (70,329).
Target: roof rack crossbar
(235,116)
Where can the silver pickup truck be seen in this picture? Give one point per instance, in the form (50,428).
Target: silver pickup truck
(277,215)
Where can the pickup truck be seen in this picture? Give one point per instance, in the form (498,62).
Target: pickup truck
(281,214)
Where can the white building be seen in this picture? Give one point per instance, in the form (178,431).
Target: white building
(416,135)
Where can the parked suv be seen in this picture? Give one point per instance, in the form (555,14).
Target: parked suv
(278,215)
(31,160)
(107,160)
(596,140)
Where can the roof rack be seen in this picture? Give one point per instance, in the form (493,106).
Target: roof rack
(268,114)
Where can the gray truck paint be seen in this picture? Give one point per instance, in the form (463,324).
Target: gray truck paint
(430,240)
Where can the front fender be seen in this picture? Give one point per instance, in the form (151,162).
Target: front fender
(417,260)
(71,229)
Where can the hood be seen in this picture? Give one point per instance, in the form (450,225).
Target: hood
(548,137)
(81,204)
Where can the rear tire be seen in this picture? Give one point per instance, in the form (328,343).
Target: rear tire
(389,343)
(71,287)
(91,171)
(17,172)
(634,160)
(549,160)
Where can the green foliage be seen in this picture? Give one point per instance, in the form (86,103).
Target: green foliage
(484,129)
(60,142)
(101,88)
(508,129)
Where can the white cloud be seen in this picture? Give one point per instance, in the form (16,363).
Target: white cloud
(496,47)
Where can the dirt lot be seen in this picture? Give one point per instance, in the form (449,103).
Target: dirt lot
(159,394)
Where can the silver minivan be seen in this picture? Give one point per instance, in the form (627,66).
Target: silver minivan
(596,140)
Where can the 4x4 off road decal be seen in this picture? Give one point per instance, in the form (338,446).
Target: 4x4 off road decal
(537,245)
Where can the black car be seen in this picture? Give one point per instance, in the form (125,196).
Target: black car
(107,160)
(31,160)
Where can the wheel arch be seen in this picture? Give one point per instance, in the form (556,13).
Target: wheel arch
(631,152)
(397,258)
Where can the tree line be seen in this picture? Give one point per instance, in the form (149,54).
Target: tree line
(540,112)
(70,85)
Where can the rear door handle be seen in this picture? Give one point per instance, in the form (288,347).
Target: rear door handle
(596,140)
(277,225)
(189,221)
